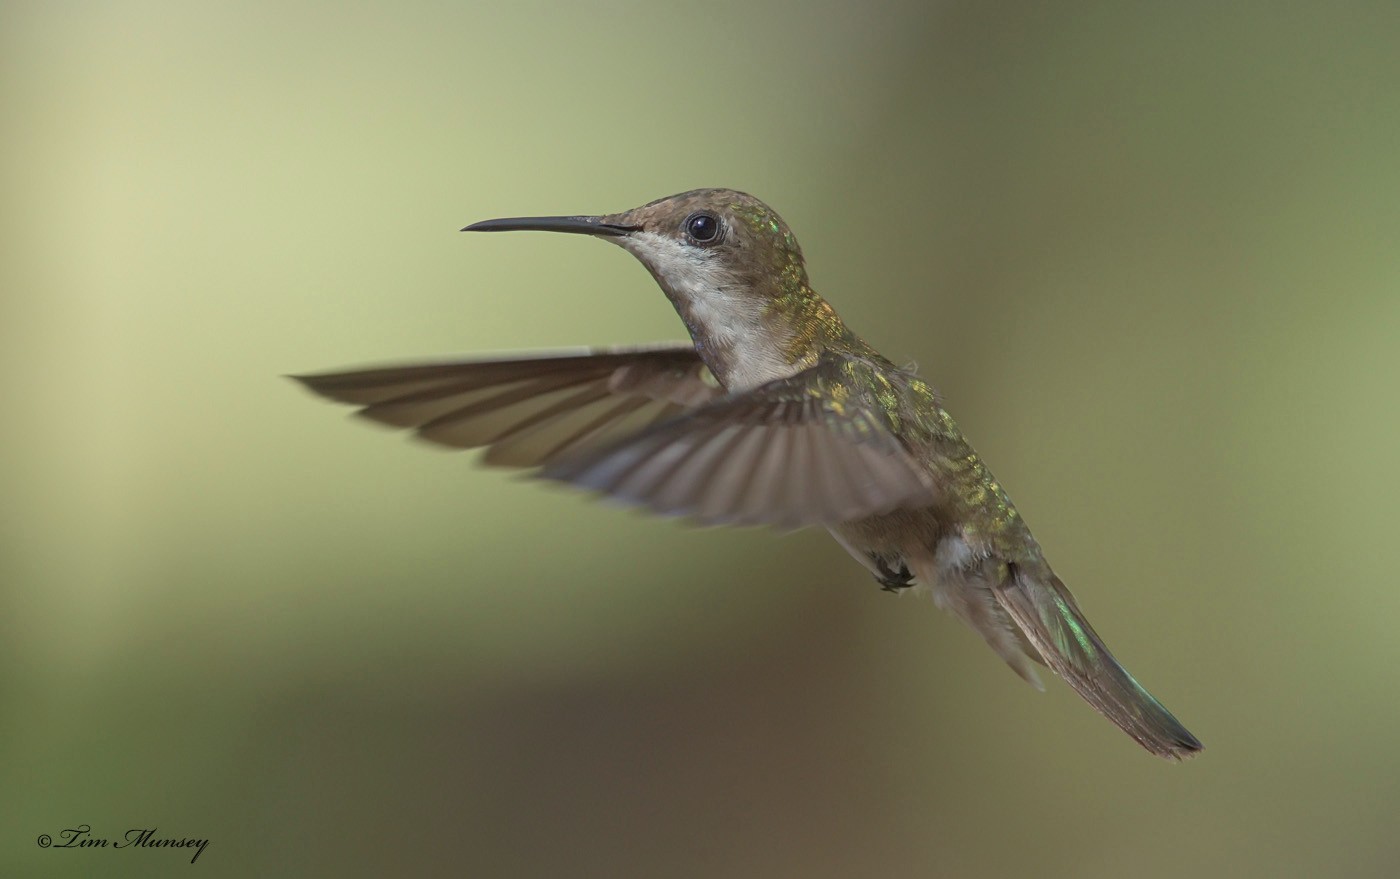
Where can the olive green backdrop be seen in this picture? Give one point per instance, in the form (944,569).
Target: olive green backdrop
(1147,251)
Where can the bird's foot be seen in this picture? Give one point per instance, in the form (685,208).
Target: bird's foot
(892,580)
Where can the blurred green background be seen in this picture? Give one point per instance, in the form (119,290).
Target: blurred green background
(1147,251)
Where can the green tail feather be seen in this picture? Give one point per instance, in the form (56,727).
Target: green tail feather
(1052,621)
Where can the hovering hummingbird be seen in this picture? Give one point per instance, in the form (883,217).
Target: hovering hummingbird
(774,414)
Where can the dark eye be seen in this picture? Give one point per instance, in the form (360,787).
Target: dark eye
(703,228)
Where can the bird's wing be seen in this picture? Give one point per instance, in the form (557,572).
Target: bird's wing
(530,409)
(795,452)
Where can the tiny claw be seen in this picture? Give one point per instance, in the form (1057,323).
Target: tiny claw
(891,580)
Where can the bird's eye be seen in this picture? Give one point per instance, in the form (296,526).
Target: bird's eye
(703,228)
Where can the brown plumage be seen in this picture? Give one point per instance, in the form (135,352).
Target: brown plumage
(774,414)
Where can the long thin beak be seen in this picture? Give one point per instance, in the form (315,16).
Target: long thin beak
(577,225)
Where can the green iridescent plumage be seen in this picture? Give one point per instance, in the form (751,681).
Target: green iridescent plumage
(777,414)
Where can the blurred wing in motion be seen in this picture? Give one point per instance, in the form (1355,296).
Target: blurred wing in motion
(529,410)
(783,454)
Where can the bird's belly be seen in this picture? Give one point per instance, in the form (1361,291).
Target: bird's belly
(895,532)
(884,543)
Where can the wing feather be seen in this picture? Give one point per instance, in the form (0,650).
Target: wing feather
(777,455)
(528,409)
(650,427)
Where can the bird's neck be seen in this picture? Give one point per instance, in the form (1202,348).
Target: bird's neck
(748,338)
(751,323)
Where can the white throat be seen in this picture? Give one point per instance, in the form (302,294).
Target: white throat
(719,313)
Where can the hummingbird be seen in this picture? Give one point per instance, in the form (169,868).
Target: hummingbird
(774,413)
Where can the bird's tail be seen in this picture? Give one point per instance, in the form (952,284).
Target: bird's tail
(1047,614)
